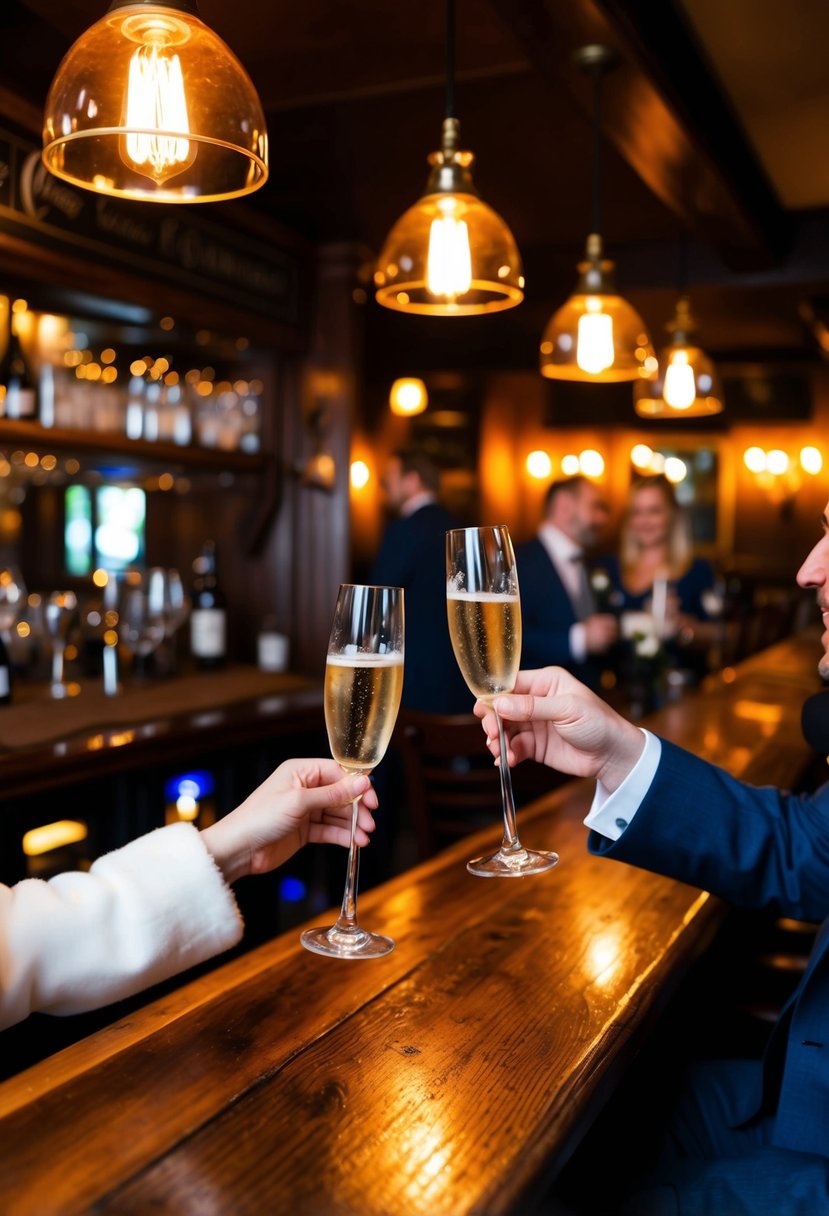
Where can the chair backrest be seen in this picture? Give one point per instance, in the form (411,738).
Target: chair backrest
(453,786)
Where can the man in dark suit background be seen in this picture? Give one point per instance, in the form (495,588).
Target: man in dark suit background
(412,555)
(559,619)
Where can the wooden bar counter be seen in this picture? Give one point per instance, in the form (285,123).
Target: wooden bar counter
(454,1076)
(46,743)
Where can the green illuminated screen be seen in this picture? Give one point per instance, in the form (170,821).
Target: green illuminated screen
(103,527)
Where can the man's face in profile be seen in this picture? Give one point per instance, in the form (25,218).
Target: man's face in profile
(815,573)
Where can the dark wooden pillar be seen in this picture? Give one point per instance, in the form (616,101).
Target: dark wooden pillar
(327,391)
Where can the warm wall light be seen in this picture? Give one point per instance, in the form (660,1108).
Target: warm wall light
(596,336)
(450,254)
(408,396)
(539,465)
(588,463)
(150,104)
(359,474)
(675,470)
(687,384)
(780,474)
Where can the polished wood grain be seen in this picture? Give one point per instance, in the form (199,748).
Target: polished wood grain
(453,1076)
(47,744)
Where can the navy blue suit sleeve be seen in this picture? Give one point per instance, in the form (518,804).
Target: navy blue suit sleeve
(756,847)
(546,611)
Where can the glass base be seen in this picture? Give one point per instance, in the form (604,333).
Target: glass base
(512,865)
(346,943)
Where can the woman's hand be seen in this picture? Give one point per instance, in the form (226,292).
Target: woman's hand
(554,719)
(302,802)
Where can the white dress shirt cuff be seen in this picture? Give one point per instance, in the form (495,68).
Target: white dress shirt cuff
(578,641)
(610,814)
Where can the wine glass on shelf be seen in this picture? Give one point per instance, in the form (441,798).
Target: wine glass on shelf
(140,618)
(60,613)
(484,610)
(363,684)
(166,591)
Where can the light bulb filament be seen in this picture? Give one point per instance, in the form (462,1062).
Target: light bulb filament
(594,347)
(157,103)
(679,389)
(449,261)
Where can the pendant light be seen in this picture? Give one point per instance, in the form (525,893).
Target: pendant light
(596,336)
(687,384)
(450,255)
(150,104)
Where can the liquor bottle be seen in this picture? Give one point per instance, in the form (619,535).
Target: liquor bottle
(16,379)
(208,614)
(5,674)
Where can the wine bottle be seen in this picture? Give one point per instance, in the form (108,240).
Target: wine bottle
(5,674)
(17,383)
(208,614)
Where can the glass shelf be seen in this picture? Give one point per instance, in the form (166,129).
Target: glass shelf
(14,432)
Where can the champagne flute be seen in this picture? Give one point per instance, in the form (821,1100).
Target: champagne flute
(363,684)
(484,612)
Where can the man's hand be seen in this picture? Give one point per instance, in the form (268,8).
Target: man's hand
(554,719)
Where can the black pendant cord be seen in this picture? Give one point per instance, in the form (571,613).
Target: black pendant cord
(597,149)
(682,265)
(450,58)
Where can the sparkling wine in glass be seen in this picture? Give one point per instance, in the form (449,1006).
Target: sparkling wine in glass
(363,684)
(484,609)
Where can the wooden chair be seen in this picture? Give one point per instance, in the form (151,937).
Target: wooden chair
(452,785)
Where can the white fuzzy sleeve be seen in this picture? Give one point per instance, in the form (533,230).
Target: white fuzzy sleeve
(140,915)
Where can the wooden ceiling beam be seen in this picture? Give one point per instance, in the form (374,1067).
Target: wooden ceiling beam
(665,113)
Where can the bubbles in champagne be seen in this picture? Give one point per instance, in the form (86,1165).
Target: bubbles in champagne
(362,697)
(486,636)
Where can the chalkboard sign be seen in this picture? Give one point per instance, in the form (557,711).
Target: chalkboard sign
(171,243)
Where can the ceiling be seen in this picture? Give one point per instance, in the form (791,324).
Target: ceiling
(715,124)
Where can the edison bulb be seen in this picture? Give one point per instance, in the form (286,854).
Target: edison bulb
(594,348)
(679,390)
(449,261)
(156,142)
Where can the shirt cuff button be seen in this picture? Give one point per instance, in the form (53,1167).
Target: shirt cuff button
(621,824)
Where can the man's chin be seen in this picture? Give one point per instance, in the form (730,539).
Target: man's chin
(823,666)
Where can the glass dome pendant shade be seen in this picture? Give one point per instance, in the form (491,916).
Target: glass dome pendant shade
(687,384)
(150,104)
(450,254)
(596,335)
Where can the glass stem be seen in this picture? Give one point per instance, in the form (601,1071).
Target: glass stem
(57,664)
(510,842)
(347,920)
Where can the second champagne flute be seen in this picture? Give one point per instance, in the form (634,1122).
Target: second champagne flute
(484,611)
(363,685)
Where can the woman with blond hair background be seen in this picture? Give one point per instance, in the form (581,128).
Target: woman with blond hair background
(656,573)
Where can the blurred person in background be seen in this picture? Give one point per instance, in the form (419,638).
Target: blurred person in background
(561,621)
(655,569)
(412,555)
